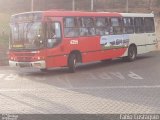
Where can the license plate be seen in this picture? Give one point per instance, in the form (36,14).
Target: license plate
(24,64)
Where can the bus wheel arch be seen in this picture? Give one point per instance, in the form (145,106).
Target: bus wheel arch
(74,58)
(132,52)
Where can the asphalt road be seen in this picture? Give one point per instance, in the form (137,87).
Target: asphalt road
(113,87)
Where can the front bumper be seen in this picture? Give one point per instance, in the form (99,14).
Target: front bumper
(36,64)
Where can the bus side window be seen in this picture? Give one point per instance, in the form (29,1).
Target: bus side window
(102,26)
(128,25)
(116,27)
(149,25)
(86,26)
(71,27)
(83,30)
(53,34)
(139,25)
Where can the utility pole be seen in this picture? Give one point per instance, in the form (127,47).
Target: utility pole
(92,5)
(73,5)
(127,6)
(32,5)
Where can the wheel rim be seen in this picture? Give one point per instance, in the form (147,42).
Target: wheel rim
(74,62)
(132,53)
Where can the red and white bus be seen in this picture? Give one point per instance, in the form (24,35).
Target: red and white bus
(48,39)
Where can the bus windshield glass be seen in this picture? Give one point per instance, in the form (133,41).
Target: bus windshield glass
(26,32)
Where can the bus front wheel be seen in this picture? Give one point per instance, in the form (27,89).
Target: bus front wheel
(72,63)
(132,53)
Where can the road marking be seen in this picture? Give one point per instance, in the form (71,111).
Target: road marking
(111,75)
(134,76)
(68,88)
(19,90)
(118,75)
(11,77)
(2,76)
(87,75)
(121,87)
(105,76)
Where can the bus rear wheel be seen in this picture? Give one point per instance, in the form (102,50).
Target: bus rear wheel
(72,61)
(132,53)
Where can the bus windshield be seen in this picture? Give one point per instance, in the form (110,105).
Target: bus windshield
(27,35)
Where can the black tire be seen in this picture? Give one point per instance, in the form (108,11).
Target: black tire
(72,63)
(132,53)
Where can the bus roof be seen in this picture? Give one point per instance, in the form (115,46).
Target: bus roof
(26,13)
(83,13)
(79,13)
(137,14)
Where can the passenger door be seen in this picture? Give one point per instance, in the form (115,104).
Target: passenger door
(150,33)
(55,48)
